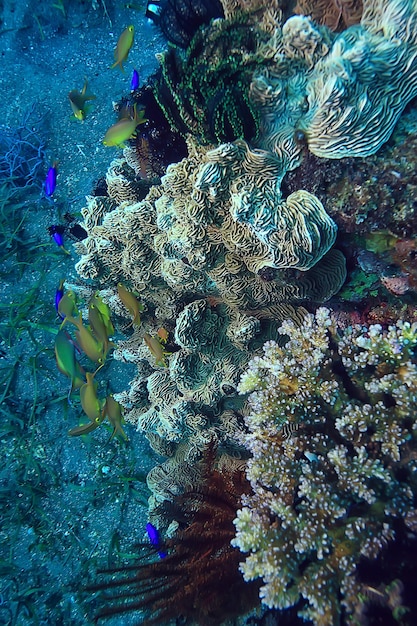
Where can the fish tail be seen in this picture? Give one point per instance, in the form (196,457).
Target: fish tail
(118,63)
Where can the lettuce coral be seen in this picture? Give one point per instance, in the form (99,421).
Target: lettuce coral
(215,222)
(333,434)
(344,92)
(358,91)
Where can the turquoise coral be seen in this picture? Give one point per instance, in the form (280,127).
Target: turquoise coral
(326,450)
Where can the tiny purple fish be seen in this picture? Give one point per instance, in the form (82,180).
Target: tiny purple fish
(134,82)
(153,535)
(50,180)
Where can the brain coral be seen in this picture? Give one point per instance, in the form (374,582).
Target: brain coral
(333,434)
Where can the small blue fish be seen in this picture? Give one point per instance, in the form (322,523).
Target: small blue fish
(57,233)
(134,82)
(310,456)
(153,535)
(59,294)
(50,180)
(58,238)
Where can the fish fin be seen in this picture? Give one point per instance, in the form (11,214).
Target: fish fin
(84,429)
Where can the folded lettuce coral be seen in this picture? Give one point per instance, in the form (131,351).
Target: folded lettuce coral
(211,227)
(344,92)
(333,437)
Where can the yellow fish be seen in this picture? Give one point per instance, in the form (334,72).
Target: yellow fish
(86,340)
(132,304)
(84,429)
(124,129)
(99,328)
(156,349)
(89,401)
(92,407)
(77,101)
(104,311)
(122,49)
(67,306)
(113,410)
(162,335)
(66,361)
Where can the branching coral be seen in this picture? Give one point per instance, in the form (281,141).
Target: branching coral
(334,439)
(22,150)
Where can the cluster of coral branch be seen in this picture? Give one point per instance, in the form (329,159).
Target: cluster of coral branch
(333,437)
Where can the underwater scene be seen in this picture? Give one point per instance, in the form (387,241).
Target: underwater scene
(208,321)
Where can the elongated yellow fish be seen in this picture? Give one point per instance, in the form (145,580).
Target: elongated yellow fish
(124,43)
(66,361)
(132,304)
(124,129)
(89,400)
(86,340)
(156,349)
(113,410)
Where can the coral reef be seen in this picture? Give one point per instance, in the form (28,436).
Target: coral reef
(233,238)
(220,213)
(333,435)
(221,250)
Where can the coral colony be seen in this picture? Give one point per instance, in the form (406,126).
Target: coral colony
(209,272)
(332,434)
